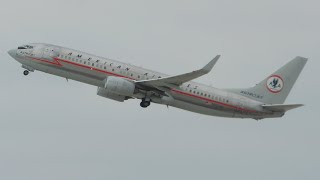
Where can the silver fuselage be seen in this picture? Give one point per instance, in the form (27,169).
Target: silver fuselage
(93,70)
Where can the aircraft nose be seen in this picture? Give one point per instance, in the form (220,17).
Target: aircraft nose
(12,52)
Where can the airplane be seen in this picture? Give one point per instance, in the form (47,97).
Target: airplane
(122,81)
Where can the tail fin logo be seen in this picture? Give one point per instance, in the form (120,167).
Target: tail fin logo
(275,83)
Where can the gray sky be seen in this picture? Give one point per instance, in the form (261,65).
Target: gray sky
(51,129)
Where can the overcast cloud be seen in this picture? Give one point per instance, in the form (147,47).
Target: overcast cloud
(54,129)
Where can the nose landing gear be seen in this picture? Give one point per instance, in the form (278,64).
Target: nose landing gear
(25,72)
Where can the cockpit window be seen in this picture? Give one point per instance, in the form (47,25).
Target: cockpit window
(25,47)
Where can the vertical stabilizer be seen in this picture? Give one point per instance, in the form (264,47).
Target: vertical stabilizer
(276,87)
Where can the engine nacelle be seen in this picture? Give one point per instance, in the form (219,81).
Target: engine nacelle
(107,94)
(117,89)
(119,86)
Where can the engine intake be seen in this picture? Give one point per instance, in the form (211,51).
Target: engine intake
(117,89)
(104,93)
(119,86)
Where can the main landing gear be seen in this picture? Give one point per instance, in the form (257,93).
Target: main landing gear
(145,103)
(25,72)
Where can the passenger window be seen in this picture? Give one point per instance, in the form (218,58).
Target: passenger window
(93,64)
(85,62)
(105,67)
(112,69)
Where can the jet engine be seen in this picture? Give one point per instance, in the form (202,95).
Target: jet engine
(117,89)
(105,93)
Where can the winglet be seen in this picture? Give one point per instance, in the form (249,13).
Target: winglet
(209,66)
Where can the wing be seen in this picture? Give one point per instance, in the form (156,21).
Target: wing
(174,81)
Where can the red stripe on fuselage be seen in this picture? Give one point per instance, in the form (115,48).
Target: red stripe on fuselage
(56,62)
(210,100)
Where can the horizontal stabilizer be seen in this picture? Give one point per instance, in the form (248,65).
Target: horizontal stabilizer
(281,107)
